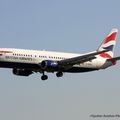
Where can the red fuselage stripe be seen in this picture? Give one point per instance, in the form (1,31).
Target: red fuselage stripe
(6,52)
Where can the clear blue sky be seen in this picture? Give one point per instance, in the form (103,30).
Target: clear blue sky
(65,25)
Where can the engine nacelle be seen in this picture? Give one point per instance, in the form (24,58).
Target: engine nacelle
(49,64)
(22,72)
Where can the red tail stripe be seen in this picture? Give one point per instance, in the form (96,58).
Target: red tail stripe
(112,37)
(105,55)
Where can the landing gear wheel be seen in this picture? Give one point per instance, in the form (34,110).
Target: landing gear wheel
(59,74)
(44,77)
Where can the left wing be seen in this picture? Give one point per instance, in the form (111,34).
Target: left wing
(80,59)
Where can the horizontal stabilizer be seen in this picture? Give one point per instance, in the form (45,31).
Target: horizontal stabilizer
(113,59)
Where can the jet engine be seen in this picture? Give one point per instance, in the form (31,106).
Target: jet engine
(22,72)
(49,64)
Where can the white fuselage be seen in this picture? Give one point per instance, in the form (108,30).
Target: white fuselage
(20,56)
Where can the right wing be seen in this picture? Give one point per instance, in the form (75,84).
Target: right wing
(80,59)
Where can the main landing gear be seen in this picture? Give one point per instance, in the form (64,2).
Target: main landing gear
(45,77)
(59,74)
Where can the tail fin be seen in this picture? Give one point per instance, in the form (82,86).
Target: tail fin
(108,44)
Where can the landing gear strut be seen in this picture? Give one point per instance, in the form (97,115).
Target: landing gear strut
(44,77)
(59,74)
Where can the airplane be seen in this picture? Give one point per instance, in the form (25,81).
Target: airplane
(26,62)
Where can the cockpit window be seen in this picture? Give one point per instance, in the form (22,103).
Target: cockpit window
(1,54)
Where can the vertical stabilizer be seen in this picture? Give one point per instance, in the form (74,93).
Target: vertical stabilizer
(109,44)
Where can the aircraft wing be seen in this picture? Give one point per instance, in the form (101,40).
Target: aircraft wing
(80,59)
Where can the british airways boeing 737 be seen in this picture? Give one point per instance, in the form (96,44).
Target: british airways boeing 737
(26,62)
